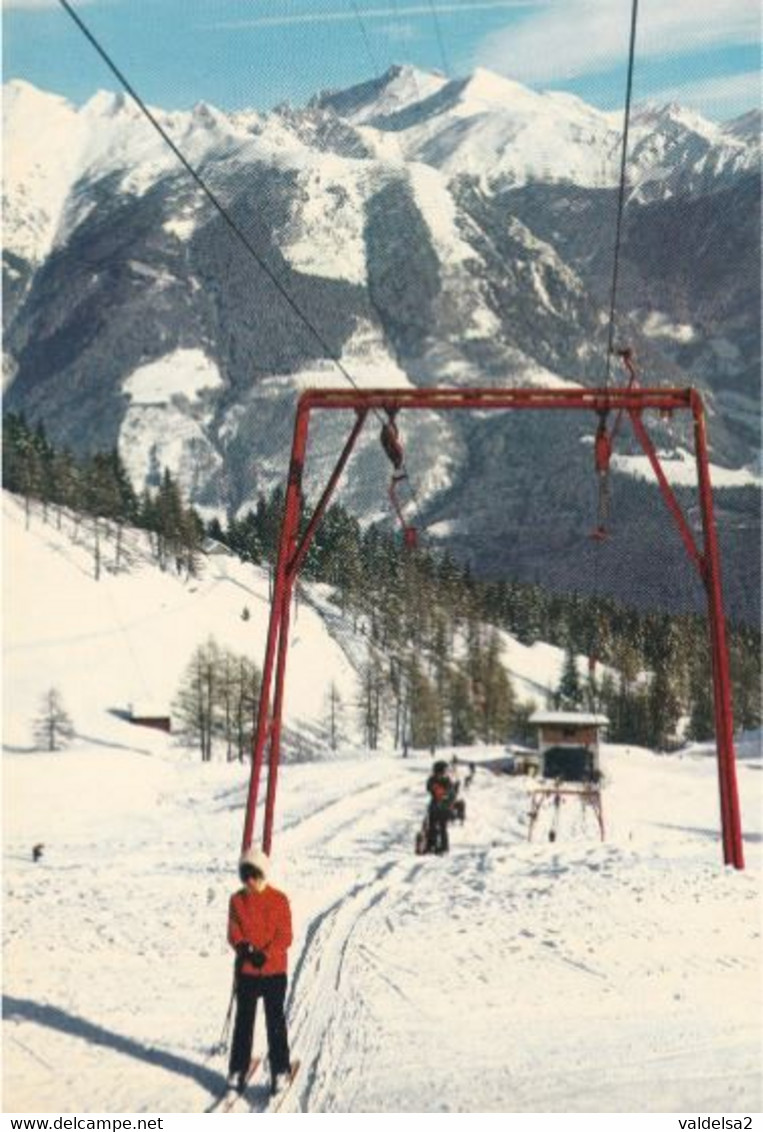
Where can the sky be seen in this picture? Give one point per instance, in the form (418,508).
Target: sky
(258,53)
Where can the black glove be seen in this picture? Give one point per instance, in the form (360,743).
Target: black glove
(248,953)
(257,958)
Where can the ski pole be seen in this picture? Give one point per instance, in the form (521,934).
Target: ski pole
(222,1045)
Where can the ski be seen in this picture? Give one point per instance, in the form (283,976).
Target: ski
(277,1102)
(227,1101)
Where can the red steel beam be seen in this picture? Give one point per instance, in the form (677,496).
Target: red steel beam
(724,716)
(668,495)
(564,397)
(291,553)
(267,727)
(307,537)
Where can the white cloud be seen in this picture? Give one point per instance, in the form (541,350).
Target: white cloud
(399,32)
(346,15)
(722,97)
(567,38)
(35,5)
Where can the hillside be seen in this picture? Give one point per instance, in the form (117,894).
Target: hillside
(585,976)
(431,232)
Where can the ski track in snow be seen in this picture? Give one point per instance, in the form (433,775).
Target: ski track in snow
(508,976)
(412,977)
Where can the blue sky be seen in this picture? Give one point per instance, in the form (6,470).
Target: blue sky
(235,53)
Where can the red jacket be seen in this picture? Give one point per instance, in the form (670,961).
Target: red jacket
(264,920)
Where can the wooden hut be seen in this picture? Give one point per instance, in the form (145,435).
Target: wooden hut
(568,744)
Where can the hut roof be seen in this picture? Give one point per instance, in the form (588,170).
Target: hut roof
(569,718)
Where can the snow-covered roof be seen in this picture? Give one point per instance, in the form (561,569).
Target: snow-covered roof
(569,718)
(214,546)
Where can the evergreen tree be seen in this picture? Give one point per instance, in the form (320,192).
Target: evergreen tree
(424,709)
(53,728)
(701,712)
(334,716)
(67,479)
(372,686)
(522,731)
(463,728)
(498,695)
(569,695)
(745,661)
(170,518)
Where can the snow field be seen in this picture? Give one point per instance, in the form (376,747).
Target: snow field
(577,976)
(509,976)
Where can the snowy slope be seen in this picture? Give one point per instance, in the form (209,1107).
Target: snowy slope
(485,125)
(504,133)
(39,166)
(151,330)
(156,620)
(583,976)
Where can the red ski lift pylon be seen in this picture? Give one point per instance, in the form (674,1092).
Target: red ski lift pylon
(602,454)
(293,548)
(392,445)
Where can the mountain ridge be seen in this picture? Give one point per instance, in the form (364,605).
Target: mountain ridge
(423,254)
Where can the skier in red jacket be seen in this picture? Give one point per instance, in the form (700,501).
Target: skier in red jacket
(259,930)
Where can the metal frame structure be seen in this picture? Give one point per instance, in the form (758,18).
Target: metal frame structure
(292,550)
(589,796)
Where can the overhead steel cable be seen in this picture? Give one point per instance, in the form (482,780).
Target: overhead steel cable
(603,487)
(440,40)
(621,193)
(235,228)
(375,66)
(213,199)
(376,70)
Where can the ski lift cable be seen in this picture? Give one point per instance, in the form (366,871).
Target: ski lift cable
(440,40)
(621,191)
(215,201)
(235,228)
(604,495)
(366,38)
(402,473)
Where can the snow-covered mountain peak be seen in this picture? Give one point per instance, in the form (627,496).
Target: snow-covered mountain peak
(106,104)
(486,91)
(208,117)
(674,118)
(42,141)
(18,94)
(747,127)
(399,87)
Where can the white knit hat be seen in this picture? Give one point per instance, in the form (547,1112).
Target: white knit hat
(257,859)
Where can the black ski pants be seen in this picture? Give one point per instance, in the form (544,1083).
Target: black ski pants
(272,990)
(438,830)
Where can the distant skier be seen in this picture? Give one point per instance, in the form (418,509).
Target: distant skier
(37,852)
(470,776)
(440,789)
(259,929)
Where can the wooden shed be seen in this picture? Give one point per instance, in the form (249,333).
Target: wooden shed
(149,716)
(568,744)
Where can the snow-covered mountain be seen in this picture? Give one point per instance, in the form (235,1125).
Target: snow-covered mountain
(434,232)
(639,955)
(505,134)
